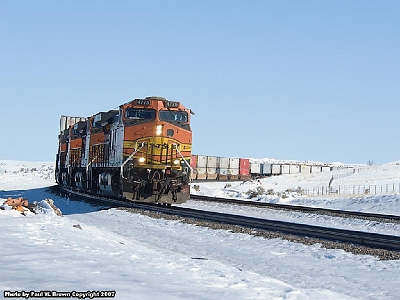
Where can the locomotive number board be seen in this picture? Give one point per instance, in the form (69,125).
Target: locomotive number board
(172,104)
(144,102)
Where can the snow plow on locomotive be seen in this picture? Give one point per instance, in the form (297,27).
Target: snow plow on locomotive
(139,152)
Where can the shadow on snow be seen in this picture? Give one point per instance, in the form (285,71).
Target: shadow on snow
(67,203)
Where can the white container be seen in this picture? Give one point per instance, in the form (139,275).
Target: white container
(223,162)
(201,161)
(294,169)
(266,169)
(315,169)
(285,169)
(234,163)
(325,169)
(211,165)
(233,171)
(304,169)
(255,168)
(276,169)
(223,171)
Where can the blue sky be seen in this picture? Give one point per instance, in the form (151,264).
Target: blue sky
(304,80)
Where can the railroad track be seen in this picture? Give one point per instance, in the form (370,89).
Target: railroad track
(372,240)
(326,211)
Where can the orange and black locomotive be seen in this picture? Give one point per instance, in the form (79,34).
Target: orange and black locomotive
(139,152)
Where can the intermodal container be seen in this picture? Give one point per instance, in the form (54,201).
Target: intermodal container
(255,168)
(276,169)
(325,169)
(315,169)
(201,167)
(305,169)
(294,169)
(266,169)
(193,161)
(211,167)
(244,166)
(285,169)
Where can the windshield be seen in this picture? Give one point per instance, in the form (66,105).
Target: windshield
(170,115)
(140,114)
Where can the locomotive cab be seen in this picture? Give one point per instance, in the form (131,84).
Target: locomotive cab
(157,148)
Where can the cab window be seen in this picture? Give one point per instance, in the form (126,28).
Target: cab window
(140,114)
(173,116)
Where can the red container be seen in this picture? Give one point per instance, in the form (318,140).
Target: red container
(193,161)
(244,166)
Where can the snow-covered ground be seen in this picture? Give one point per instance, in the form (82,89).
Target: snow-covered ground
(275,190)
(282,189)
(96,248)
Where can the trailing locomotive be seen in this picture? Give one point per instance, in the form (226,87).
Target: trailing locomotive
(139,152)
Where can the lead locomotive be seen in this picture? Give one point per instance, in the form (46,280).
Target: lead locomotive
(139,152)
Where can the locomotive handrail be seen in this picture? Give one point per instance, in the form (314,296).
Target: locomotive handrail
(88,165)
(190,167)
(87,171)
(130,156)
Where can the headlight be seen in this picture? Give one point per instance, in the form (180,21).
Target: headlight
(142,159)
(159,129)
(177,161)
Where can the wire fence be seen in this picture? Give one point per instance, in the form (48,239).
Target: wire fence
(373,189)
(346,174)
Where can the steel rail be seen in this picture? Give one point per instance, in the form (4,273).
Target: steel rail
(373,240)
(297,208)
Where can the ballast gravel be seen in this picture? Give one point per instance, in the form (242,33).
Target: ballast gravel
(382,254)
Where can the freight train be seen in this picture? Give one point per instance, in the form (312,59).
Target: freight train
(228,168)
(139,152)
